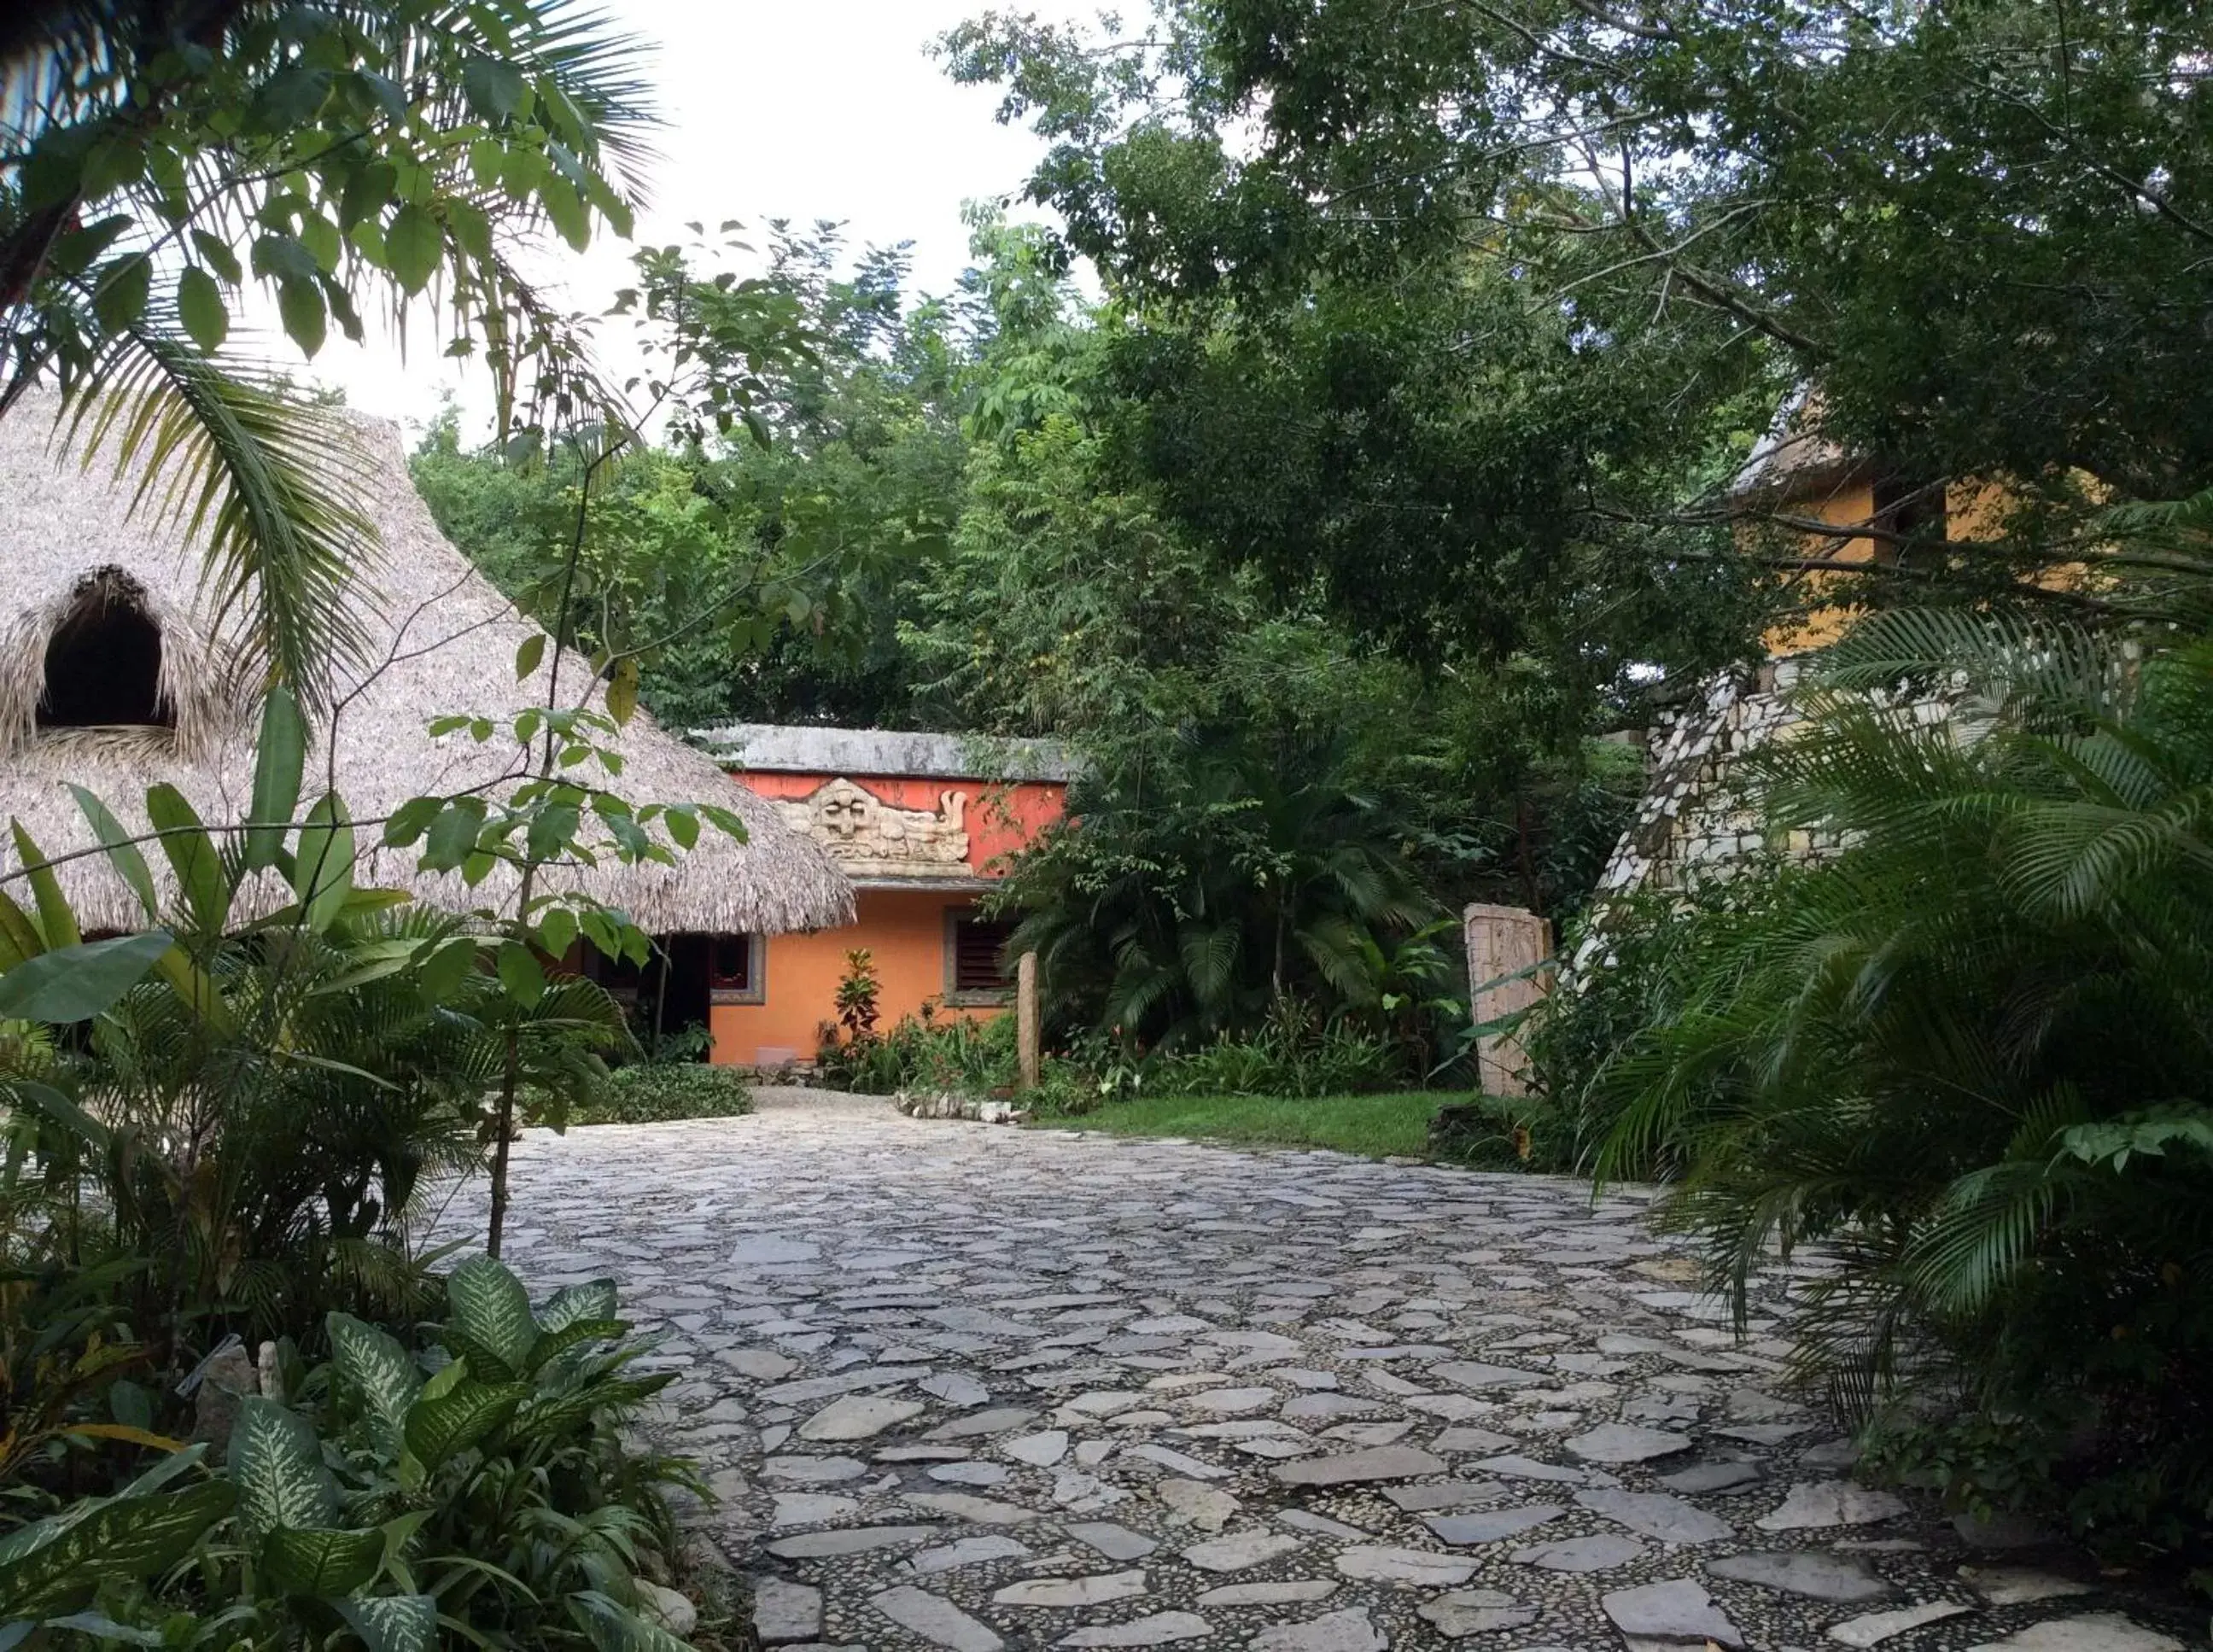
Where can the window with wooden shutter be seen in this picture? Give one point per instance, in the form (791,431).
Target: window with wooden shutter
(974,949)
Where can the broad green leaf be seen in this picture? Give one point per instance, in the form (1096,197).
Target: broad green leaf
(413,245)
(440,1426)
(557,931)
(613,1627)
(554,1344)
(122,853)
(407,822)
(19,936)
(374,1365)
(446,971)
(74,984)
(54,1566)
(453,835)
(521,975)
(566,210)
(277,1463)
(494,88)
(392,1623)
(321,238)
(200,308)
(307,320)
(218,257)
(622,691)
(322,1561)
(593,1300)
(527,657)
(57,919)
(683,828)
(193,856)
(280,760)
(487,1304)
(322,865)
(124,287)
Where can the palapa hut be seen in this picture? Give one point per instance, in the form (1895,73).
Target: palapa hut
(115,674)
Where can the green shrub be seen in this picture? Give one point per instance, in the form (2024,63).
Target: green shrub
(1972,1054)
(659,1092)
(478,1482)
(1291,1053)
(968,1055)
(1630,964)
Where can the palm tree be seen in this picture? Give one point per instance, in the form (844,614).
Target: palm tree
(1970,1052)
(160,158)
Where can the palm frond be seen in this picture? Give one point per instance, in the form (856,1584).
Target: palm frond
(265,480)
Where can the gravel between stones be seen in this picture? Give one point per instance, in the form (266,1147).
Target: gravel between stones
(960,1387)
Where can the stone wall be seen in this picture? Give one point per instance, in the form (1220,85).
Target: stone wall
(1696,820)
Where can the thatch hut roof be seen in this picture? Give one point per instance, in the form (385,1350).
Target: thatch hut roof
(441,641)
(1798,458)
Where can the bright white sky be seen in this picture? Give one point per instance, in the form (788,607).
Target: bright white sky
(803,109)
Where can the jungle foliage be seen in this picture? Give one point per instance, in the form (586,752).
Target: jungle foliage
(1964,1056)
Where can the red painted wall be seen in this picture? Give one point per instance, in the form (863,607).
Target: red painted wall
(1002,818)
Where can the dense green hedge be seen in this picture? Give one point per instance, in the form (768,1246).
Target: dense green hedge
(656,1095)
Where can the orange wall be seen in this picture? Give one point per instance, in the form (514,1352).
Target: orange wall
(904,930)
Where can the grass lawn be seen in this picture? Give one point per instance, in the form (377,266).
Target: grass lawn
(1376,1125)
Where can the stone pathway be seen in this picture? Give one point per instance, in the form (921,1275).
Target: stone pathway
(970,1387)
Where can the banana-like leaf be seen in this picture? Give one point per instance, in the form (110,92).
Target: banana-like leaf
(376,1367)
(440,1426)
(19,936)
(57,919)
(43,1098)
(197,988)
(75,983)
(488,1305)
(392,1623)
(193,855)
(322,867)
(280,760)
(322,1561)
(278,1462)
(122,853)
(56,1565)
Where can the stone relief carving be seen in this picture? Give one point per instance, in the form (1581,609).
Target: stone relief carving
(872,838)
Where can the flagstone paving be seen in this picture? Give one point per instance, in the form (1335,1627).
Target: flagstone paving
(973,1388)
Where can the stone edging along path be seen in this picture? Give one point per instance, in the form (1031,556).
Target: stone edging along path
(968,1387)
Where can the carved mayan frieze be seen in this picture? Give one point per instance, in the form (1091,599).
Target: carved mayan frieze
(871,839)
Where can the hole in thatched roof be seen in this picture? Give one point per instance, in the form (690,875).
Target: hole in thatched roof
(104,659)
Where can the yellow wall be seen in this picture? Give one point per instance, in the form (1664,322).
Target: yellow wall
(1846,506)
(904,930)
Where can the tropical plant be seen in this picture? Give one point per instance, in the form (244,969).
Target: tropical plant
(651,1092)
(1967,1056)
(928,1051)
(255,1096)
(159,162)
(477,1487)
(856,999)
(1187,899)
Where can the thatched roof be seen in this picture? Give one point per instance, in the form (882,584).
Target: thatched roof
(442,641)
(1796,458)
